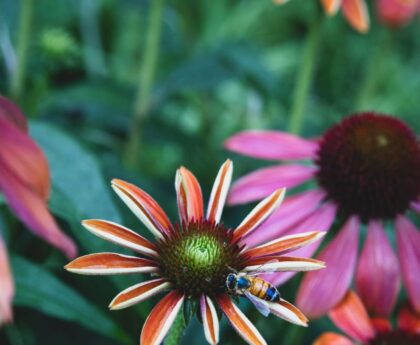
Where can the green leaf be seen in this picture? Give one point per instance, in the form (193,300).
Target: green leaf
(37,288)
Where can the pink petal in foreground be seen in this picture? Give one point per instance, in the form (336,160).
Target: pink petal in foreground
(377,276)
(271,145)
(144,207)
(219,192)
(242,325)
(396,13)
(210,320)
(357,14)
(408,244)
(320,291)
(7,289)
(161,319)
(189,196)
(352,318)
(330,338)
(32,210)
(263,182)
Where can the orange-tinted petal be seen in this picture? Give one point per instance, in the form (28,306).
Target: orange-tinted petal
(240,322)
(409,320)
(161,319)
(381,324)
(331,6)
(351,317)
(189,196)
(330,338)
(210,320)
(357,14)
(288,312)
(110,263)
(282,264)
(7,289)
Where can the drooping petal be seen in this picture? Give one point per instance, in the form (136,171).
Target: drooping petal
(331,6)
(23,158)
(259,214)
(285,244)
(271,145)
(189,196)
(12,113)
(321,291)
(416,204)
(293,209)
(240,322)
(210,320)
(409,320)
(32,210)
(352,318)
(161,319)
(408,240)
(330,338)
(288,312)
(219,192)
(138,293)
(265,181)
(377,275)
(121,235)
(7,289)
(282,264)
(111,263)
(144,207)
(357,14)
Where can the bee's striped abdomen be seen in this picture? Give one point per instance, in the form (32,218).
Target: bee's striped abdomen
(264,290)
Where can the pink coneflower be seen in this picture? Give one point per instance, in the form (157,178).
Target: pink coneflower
(25,184)
(193,258)
(355,11)
(366,169)
(396,13)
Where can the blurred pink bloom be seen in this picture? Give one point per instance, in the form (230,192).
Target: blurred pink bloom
(396,13)
(25,184)
(366,169)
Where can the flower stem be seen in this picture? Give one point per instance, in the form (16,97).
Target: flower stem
(147,75)
(304,77)
(177,330)
(25,23)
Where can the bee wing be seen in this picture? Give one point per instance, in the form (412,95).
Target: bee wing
(260,304)
(266,268)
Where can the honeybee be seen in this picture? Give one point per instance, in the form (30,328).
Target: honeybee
(257,290)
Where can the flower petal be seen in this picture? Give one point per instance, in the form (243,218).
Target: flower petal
(416,206)
(111,263)
(7,289)
(12,113)
(210,320)
(284,244)
(357,14)
(121,235)
(409,320)
(240,322)
(138,293)
(408,239)
(321,291)
(265,181)
(259,214)
(331,6)
(293,209)
(219,192)
(161,319)
(32,210)
(288,312)
(377,275)
(144,207)
(189,196)
(330,338)
(352,318)
(282,264)
(271,145)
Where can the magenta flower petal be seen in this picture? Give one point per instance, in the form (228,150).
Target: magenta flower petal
(12,113)
(416,206)
(293,210)
(7,289)
(263,182)
(408,243)
(320,291)
(32,210)
(377,275)
(271,145)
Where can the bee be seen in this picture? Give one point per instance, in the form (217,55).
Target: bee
(257,290)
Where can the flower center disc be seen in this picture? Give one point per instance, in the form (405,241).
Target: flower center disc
(397,337)
(198,257)
(369,164)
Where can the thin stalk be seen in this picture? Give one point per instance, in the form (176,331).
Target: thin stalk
(23,40)
(304,77)
(146,79)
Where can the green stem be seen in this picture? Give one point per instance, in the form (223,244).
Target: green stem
(23,38)
(177,330)
(304,77)
(146,79)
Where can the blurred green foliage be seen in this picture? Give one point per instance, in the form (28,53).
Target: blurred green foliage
(223,66)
